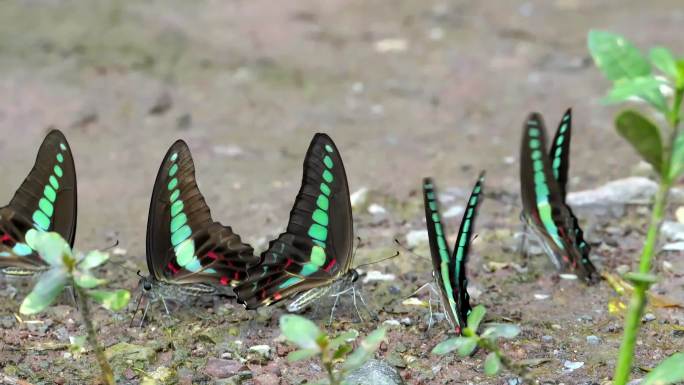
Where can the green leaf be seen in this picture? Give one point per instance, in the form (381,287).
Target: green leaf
(643,135)
(365,350)
(300,331)
(87,280)
(641,278)
(93,259)
(302,354)
(646,88)
(663,59)
(617,57)
(50,285)
(677,160)
(669,371)
(492,364)
(111,300)
(476,316)
(495,331)
(50,246)
(77,344)
(680,72)
(343,338)
(342,351)
(464,346)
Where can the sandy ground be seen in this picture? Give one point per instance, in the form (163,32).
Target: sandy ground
(406,88)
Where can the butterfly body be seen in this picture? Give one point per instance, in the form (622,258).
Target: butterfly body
(543,179)
(315,251)
(45,201)
(449,269)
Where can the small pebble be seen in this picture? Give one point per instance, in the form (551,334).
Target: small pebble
(547,339)
(376,209)
(406,321)
(571,366)
(593,340)
(648,317)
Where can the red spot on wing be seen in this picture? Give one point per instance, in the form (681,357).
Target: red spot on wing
(330,265)
(237,276)
(212,255)
(277,296)
(173,268)
(288,263)
(7,240)
(225,281)
(458,330)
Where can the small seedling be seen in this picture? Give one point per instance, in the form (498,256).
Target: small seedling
(67,269)
(469,340)
(336,354)
(634,80)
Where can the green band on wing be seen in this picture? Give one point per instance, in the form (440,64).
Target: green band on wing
(42,216)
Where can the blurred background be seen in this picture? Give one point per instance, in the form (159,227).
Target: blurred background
(406,89)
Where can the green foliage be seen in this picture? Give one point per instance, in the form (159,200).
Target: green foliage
(465,345)
(312,341)
(633,78)
(643,135)
(67,269)
(670,371)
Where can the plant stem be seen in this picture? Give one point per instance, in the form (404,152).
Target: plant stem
(512,366)
(107,374)
(638,301)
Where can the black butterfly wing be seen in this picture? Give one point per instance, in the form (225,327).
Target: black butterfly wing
(184,244)
(317,245)
(45,201)
(462,247)
(543,206)
(560,152)
(560,162)
(442,262)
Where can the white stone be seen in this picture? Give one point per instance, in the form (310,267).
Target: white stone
(359,198)
(376,209)
(416,237)
(454,211)
(374,275)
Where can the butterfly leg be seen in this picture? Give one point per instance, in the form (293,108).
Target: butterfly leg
(365,305)
(358,313)
(165,307)
(144,315)
(137,307)
(332,311)
(431,319)
(522,249)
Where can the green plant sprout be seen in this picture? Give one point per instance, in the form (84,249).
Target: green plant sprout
(336,354)
(633,79)
(469,340)
(67,269)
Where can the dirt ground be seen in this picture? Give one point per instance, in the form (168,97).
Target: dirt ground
(405,88)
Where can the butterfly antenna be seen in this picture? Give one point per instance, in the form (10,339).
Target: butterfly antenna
(401,245)
(378,261)
(358,244)
(116,243)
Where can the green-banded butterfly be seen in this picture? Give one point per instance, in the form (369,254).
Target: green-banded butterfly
(543,180)
(315,251)
(45,201)
(188,253)
(449,267)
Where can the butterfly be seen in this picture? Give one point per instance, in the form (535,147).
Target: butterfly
(45,201)
(543,180)
(450,267)
(188,253)
(315,251)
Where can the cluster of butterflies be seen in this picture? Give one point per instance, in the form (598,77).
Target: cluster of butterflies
(188,253)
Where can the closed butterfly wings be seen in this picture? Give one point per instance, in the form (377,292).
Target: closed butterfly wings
(45,201)
(315,250)
(450,268)
(184,244)
(543,196)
